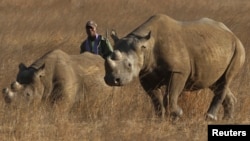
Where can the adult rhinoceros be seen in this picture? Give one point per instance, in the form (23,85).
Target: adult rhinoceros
(59,78)
(181,56)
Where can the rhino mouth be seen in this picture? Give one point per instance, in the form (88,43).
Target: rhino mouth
(7,99)
(113,81)
(7,95)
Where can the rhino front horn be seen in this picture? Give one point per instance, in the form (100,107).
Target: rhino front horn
(111,62)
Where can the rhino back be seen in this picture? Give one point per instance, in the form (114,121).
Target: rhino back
(203,48)
(210,49)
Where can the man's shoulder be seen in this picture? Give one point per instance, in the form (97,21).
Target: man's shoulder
(103,38)
(83,42)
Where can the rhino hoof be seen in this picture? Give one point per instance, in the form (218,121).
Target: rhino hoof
(211,117)
(174,119)
(175,116)
(227,117)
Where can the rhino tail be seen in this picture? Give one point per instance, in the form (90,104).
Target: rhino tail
(237,61)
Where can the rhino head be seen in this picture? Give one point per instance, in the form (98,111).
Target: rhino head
(128,59)
(26,86)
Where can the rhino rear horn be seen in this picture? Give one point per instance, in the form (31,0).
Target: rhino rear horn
(118,55)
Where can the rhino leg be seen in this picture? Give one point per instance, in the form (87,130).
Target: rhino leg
(150,86)
(228,105)
(157,100)
(63,98)
(220,94)
(176,86)
(62,107)
(160,106)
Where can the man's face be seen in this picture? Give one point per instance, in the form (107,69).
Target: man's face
(91,31)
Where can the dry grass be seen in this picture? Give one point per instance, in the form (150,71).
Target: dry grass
(30,28)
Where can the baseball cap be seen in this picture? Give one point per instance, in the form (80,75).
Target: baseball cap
(91,24)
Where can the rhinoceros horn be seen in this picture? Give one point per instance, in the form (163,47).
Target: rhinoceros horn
(111,63)
(118,55)
(16,86)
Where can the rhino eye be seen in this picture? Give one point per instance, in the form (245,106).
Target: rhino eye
(129,65)
(28,94)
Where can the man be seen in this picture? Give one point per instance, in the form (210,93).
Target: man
(95,43)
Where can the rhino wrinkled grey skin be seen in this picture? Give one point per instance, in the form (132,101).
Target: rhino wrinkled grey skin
(179,55)
(59,78)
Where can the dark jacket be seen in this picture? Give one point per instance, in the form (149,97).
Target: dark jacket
(100,46)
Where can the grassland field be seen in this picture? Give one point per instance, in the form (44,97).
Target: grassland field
(30,28)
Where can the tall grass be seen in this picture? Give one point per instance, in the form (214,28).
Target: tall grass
(30,28)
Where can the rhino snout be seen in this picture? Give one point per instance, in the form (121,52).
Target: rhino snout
(7,95)
(112,81)
(117,81)
(5,91)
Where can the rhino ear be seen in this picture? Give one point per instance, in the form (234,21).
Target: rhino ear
(40,71)
(145,39)
(114,36)
(148,36)
(22,67)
